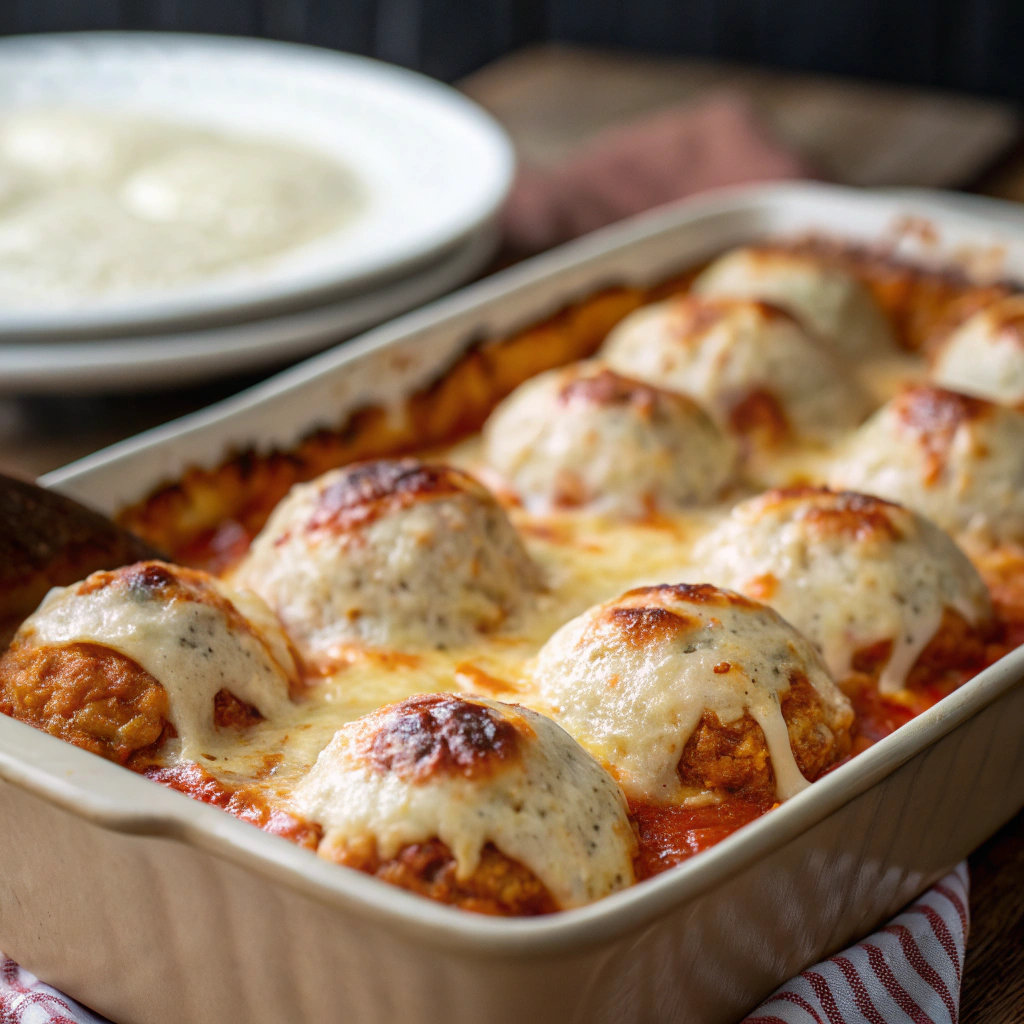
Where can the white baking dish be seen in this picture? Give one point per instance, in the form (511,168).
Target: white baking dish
(153,908)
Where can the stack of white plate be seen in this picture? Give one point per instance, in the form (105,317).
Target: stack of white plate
(431,169)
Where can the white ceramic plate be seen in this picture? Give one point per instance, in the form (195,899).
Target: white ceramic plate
(169,359)
(433,167)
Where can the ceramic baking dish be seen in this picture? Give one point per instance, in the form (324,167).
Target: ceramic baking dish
(151,907)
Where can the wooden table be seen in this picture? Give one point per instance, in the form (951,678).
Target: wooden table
(554,99)
(993,982)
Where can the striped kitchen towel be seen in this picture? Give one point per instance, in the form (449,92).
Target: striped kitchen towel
(907,972)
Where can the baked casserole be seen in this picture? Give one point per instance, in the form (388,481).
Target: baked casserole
(605,592)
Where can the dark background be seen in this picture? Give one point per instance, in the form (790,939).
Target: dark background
(972,45)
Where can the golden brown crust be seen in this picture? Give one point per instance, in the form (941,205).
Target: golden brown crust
(847,514)
(607,388)
(760,418)
(164,582)
(87,695)
(437,734)
(696,593)
(642,627)
(368,491)
(733,757)
(642,624)
(695,315)
(499,885)
(934,415)
(167,583)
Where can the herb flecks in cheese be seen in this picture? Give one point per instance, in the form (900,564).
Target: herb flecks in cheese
(471,771)
(583,436)
(632,678)
(394,553)
(849,571)
(189,631)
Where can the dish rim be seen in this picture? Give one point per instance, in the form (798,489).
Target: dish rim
(114,799)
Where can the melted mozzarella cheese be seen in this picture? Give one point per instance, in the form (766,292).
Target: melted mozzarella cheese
(635,705)
(435,573)
(554,810)
(832,303)
(725,353)
(634,449)
(189,647)
(584,559)
(967,476)
(985,355)
(846,590)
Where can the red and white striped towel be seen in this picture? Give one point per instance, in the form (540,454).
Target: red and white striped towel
(24,999)
(907,972)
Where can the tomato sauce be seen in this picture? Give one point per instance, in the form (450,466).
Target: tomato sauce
(216,550)
(670,835)
(243,802)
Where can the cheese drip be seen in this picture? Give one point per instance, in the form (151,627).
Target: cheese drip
(631,679)
(190,647)
(554,809)
(849,572)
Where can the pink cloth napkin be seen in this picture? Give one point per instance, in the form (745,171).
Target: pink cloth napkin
(909,971)
(666,156)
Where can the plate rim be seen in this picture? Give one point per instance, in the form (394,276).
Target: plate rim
(193,304)
(73,367)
